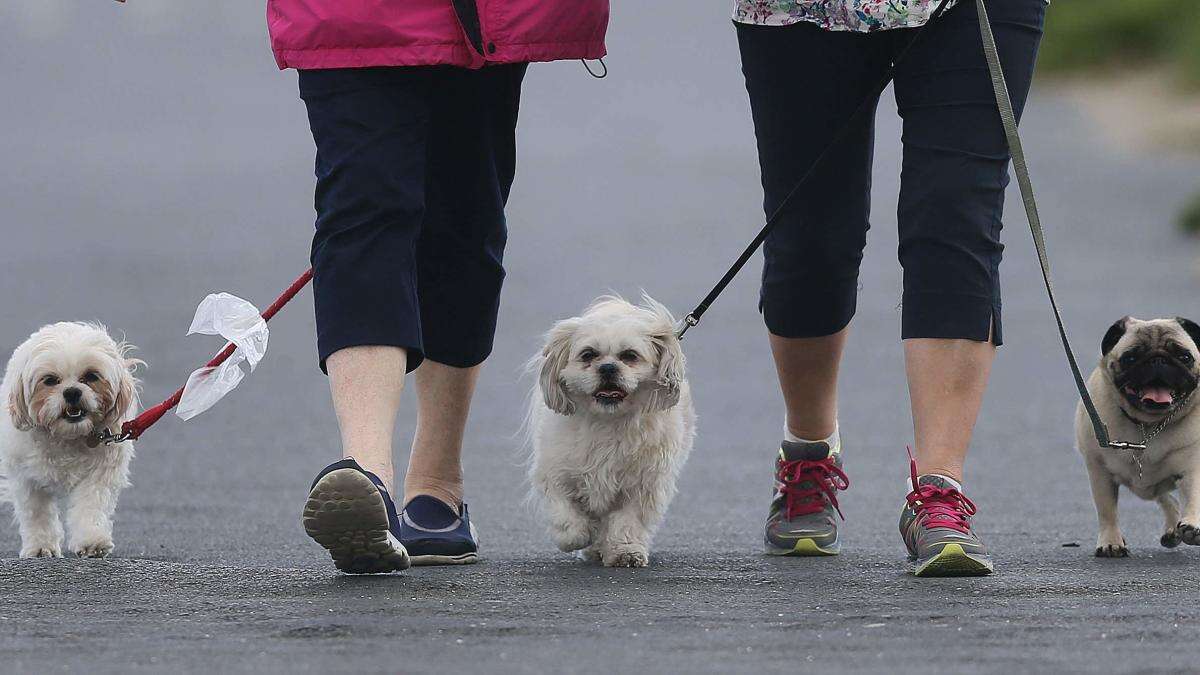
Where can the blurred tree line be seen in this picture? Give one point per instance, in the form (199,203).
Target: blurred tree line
(1123,35)
(1090,34)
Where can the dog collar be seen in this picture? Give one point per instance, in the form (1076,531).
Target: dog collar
(1149,432)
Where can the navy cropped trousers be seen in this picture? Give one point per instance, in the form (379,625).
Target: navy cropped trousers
(414,167)
(804,84)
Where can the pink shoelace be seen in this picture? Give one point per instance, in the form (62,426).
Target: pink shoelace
(825,478)
(938,507)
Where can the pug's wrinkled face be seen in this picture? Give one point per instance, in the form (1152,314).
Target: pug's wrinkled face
(1152,364)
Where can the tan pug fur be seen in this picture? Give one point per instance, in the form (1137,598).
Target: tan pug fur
(1169,469)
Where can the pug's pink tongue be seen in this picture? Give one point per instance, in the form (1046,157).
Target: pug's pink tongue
(1160,395)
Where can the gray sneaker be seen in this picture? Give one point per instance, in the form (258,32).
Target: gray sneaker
(936,526)
(802,520)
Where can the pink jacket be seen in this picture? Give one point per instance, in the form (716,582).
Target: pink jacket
(312,34)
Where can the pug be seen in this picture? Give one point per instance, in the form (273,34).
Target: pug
(1144,390)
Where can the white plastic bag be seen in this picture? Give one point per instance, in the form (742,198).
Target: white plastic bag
(235,320)
(239,322)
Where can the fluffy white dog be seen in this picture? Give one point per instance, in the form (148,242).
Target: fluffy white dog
(611,428)
(64,385)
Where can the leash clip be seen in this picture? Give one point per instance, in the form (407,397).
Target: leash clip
(109,438)
(1126,445)
(688,321)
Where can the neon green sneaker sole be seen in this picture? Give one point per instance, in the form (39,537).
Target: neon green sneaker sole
(953,561)
(804,547)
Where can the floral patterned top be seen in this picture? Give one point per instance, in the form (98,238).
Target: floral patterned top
(850,15)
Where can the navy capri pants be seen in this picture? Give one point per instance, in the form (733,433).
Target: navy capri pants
(804,84)
(414,167)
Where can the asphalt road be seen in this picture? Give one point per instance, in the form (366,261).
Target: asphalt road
(152,154)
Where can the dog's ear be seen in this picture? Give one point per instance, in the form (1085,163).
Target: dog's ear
(126,396)
(555,356)
(18,407)
(671,362)
(1114,335)
(1191,328)
(125,388)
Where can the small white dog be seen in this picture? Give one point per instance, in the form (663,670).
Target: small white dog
(611,427)
(64,385)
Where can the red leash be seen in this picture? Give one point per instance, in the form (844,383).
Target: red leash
(134,428)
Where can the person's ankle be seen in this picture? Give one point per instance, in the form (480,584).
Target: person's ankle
(950,476)
(446,491)
(382,471)
(833,439)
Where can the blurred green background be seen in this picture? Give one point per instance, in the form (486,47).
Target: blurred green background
(1093,36)
(1189,220)
(1122,34)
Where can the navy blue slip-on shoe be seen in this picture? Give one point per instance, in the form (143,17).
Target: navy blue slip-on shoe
(435,534)
(351,514)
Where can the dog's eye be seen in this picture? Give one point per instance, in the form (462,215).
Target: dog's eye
(89,377)
(1128,359)
(588,354)
(629,356)
(1185,358)
(50,380)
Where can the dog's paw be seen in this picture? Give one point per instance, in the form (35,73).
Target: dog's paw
(1170,539)
(1110,544)
(1112,551)
(1188,534)
(41,552)
(572,536)
(627,557)
(592,554)
(95,549)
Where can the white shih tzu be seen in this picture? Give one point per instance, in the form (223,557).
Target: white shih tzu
(611,427)
(65,385)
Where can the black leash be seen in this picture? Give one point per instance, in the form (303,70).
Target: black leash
(1009,119)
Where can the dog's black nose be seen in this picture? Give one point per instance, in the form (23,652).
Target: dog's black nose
(607,369)
(72,394)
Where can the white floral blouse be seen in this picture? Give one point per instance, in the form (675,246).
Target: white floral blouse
(850,15)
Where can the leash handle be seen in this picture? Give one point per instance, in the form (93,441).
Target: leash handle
(134,428)
(1008,117)
(693,317)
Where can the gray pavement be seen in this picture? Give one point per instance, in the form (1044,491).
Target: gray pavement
(153,154)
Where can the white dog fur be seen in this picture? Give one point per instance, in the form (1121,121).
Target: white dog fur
(49,445)
(607,449)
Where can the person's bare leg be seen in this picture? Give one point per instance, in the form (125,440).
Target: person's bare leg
(366,383)
(808,375)
(946,382)
(443,402)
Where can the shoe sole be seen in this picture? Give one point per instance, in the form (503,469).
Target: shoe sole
(952,561)
(804,548)
(345,514)
(430,560)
